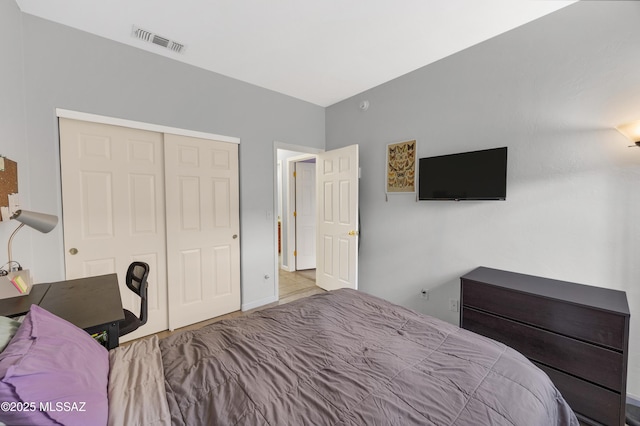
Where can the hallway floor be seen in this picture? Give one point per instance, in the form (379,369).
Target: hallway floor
(291,283)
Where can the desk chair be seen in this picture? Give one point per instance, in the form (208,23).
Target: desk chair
(137,282)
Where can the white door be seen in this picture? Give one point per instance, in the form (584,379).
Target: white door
(305,215)
(337,218)
(113,209)
(203,241)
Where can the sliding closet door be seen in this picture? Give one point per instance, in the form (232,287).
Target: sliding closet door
(203,241)
(114,210)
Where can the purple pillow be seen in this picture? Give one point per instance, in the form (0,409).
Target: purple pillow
(53,373)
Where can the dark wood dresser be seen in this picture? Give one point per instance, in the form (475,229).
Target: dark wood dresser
(577,334)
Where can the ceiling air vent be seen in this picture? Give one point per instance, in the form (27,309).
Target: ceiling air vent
(150,37)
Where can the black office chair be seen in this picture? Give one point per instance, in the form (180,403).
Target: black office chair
(137,282)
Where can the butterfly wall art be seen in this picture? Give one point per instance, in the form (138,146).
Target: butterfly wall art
(401,167)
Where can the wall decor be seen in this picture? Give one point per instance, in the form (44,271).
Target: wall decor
(8,188)
(401,167)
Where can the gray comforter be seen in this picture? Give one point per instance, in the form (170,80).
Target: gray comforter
(346,358)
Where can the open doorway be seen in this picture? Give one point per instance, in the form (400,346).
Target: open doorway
(295,219)
(337,234)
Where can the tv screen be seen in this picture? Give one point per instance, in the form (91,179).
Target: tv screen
(477,175)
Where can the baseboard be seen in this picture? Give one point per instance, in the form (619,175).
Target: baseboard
(258,303)
(633,400)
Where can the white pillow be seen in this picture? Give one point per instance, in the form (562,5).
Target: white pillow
(8,328)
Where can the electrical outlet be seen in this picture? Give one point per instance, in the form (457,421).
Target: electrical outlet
(424,293)
(453,305)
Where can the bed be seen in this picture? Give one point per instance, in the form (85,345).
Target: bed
(339,358)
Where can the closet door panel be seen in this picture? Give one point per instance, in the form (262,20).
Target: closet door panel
(114,209)
(203,244)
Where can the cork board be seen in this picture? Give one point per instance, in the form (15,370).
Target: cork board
(8,181)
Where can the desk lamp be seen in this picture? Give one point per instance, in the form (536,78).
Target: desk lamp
(40,221)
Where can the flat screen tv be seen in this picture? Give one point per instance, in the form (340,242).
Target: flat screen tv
(476,175)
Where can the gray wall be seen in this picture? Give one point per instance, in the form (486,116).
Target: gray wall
(12,121)
(552,91)
(69,69)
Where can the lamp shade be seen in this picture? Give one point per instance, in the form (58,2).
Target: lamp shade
(40,221)
(631,131)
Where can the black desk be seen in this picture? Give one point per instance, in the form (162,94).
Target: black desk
(19,305)
(91,303)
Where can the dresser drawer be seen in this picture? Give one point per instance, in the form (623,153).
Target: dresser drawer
(586,323)
(596,364)
(586,399)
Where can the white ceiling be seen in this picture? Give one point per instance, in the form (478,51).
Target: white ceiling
(320,51)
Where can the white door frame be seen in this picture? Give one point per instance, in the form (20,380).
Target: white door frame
(84,116)
(309,151)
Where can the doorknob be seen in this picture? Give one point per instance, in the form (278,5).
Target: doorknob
(235,236)
(353,233)
(73,251)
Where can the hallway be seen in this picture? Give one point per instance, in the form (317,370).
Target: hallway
(298,283)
